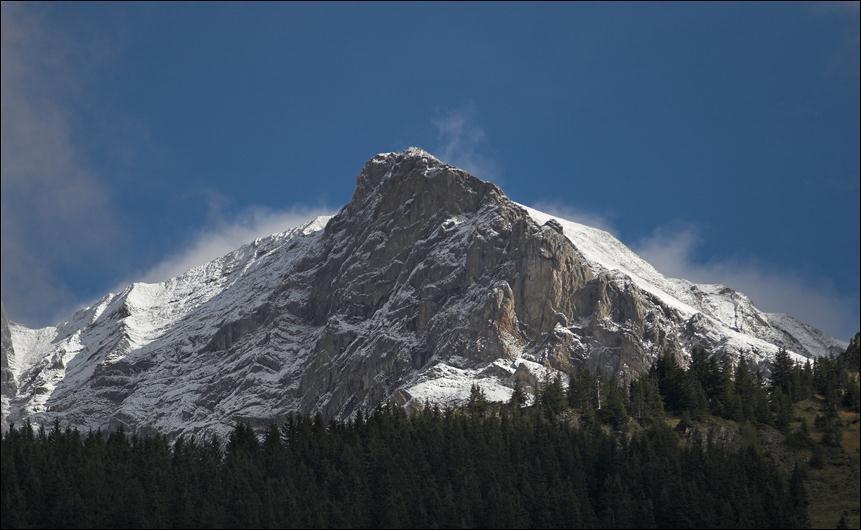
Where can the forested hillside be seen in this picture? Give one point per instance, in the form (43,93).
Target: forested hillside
(713,446)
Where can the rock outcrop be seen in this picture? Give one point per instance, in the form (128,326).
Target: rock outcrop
(428,281)
(8,386)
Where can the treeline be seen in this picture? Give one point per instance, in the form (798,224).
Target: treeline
(735,391)
(595,455)
(431,469)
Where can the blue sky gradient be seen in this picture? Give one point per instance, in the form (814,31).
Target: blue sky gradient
(720,141)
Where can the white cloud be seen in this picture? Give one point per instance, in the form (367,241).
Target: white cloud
(56,210)
(772,289)
(57,213)
(224,235)
(461,142)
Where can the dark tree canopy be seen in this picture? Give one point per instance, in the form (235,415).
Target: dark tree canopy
(601,456)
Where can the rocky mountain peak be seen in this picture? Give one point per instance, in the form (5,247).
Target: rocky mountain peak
(389,180)
(428,281)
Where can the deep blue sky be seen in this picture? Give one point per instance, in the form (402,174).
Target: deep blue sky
(716,139)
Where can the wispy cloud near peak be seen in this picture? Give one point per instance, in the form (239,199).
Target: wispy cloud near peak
(225,234)
(463,143)
(771,287)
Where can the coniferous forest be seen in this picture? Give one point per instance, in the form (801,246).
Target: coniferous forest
(597,454)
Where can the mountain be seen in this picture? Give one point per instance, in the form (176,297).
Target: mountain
(427,281)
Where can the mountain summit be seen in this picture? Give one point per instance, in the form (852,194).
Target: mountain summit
(428,281)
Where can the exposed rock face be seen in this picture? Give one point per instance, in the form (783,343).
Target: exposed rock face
(427,281)
(8,387)
(433,264)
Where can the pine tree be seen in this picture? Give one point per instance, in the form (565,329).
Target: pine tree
(830,425)
(807,381)
(728,400)
(518,395)
(781,373)
(646,402)
(477,403)
(782,408)
(852,394)
(552,397)
(581,391)
(615,412)
(798,496)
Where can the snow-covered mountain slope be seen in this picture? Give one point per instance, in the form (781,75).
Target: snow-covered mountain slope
(429,280)
(142,340)
(742,323)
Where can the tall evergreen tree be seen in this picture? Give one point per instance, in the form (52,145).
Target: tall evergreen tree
(552,397)
(781,373)
(477,403)
(518,395)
